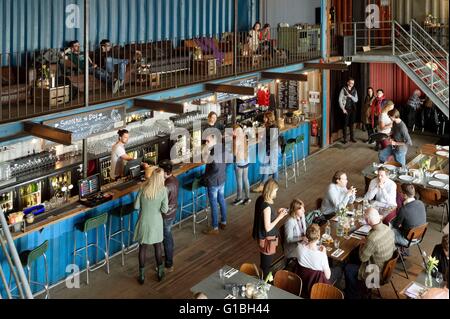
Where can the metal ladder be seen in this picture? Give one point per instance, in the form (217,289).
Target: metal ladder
(9,252)
(424,60)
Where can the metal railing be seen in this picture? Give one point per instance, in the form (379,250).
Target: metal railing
(47,81)
(9,251)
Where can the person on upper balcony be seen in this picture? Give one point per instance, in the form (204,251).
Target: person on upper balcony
(253,37)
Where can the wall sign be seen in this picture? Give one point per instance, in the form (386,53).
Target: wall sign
(93,123)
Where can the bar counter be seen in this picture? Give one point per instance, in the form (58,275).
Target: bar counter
(58,227)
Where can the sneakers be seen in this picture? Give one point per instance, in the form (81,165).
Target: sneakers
(237,202)
(247,201)
(222,226)
(211,231)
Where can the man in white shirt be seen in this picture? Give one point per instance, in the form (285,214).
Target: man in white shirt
(119,156)
(383,190)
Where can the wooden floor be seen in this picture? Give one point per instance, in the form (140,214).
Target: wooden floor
(197,257)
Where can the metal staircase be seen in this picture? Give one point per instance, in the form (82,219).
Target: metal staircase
(424,60)
(9,253)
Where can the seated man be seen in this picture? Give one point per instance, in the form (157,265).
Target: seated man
(383,189)
(373,254)
(410,215)
(338,196)
(106,61)
(77,60)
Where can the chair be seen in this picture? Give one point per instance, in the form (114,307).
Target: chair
(121,213)
(195,188)
(309,278)
(289,152)
(433,197)
(251,270)
(27,258)
(325,291)
(387,273)
(415,237)
(288,281)
(86,226)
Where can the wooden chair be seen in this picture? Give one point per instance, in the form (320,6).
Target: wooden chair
(433,197)
(415,237)
(288,281)
(388,271)
(251,270)
(393,163)
(325,291)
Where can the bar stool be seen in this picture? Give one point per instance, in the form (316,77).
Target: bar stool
(121,213)
(27,258)
(91,224)
(289,152)
(300,140)
(196,190)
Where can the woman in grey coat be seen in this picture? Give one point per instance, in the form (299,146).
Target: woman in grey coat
(294,229)
(152,201)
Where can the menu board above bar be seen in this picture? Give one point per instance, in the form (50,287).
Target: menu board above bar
(221,97)
(93,123)
(288,94)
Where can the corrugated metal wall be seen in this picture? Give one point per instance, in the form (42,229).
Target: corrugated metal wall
(38,24)
(397,86)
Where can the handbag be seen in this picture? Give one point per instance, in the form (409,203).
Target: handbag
(268,245)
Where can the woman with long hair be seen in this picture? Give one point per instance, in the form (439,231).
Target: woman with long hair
(294,229)
(240,151)
(264,224)
(152,201)
(253,37)
(366,111)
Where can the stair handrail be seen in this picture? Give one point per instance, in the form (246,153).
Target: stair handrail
(22,281)
(417,44)
(428,36)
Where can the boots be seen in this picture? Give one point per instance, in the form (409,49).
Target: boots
(161,273)
(141,277)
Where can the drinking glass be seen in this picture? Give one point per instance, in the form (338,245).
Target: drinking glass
(336,243)
(439,278)
(235,291)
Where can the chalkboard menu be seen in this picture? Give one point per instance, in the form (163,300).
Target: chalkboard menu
(93,123)
(288,94)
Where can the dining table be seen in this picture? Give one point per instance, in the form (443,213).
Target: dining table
(216,288)
(417,287)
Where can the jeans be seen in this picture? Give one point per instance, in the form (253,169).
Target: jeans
(399,238)
(242,182)
(354,288)
(111,62)
(216,197)
(168,241)
(270,169)
(398,152)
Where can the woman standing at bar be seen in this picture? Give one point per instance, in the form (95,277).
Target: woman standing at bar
(264,224)
(240,151)
(152,201)
(366,112)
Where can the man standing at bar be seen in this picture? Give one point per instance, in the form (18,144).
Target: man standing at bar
(119,155)
(171,183)
(348,97)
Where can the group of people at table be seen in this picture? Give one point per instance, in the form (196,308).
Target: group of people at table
(302,236)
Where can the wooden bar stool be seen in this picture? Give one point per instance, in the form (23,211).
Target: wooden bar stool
(86,226)
(121,213)
(198,192)
(27,258)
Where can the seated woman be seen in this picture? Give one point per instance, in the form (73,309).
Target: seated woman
(312,256)
(440,252)
(294,229)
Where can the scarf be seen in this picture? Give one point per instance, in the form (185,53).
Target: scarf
(376,108)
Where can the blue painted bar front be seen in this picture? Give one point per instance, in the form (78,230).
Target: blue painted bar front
(61,234)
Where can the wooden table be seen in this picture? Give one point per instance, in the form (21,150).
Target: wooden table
(421,281)
(52,96)
(214,287)
(348,244)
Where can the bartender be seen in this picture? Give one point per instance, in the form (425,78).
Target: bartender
(212,121)
(119,156)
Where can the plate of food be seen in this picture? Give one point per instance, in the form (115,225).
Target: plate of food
(441,176)
(389,167)
(436,183)
(442,153)
(406,178)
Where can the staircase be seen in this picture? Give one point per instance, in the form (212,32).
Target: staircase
(424,61)
(8,253)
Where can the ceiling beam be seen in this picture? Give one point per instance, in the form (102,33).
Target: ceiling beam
(327,66)
(161,106)
(285,76)
(48,133)
(232,89)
